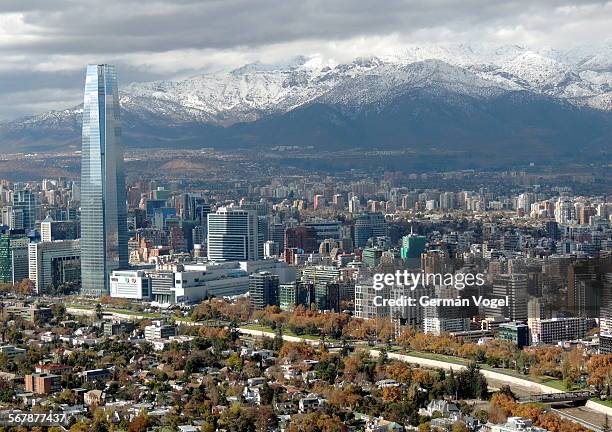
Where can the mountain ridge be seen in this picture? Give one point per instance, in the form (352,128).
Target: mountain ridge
(221,107)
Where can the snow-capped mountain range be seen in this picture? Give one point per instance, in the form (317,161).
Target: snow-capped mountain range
(579,77)
(254,90)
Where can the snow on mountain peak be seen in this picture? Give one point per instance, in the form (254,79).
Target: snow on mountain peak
(250,91)
(581,75)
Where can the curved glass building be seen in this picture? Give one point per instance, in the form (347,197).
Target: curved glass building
(103,201)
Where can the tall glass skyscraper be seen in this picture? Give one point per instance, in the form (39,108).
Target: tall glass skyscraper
(103,200)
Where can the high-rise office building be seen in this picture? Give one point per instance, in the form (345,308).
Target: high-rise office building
(585,285)
(326,288)
(51,230)
(263,290)
(435,261)
(354,204)
(369,304)
(325,229)
(564,211)
(288,296)
(338,201)
(12,217)
(103,198)
(301,237)
(6,269)
(444,319)
(233,235)
(19,258)
(552,230)
(271,249)
(447,200)
(512,287)
(605,312)
(262,234)
(24,201)
(515,332)
(198,235)
(524,202)
(369,225)
(296,293)
(13,256)
(413,246)
(550,331)
(276,233)
(371,256)
(201,213)
(365,294)
(319,201)
(585,214)
(54,263)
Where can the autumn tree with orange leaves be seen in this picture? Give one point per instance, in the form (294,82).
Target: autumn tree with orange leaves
(316,422)
(600,371)
(391,394)
(506,406)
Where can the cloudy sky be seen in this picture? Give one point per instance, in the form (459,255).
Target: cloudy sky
(45,44)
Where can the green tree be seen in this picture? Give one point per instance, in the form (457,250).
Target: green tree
(507,391)
(58,310)
(266,393)
(327,370)
(100,422)
(471,383)
(7,392)
(278,338)
(450,384)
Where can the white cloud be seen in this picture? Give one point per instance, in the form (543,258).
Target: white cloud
(45,45)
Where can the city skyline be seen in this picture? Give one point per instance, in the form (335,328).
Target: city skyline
(315,216)
(264,275)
